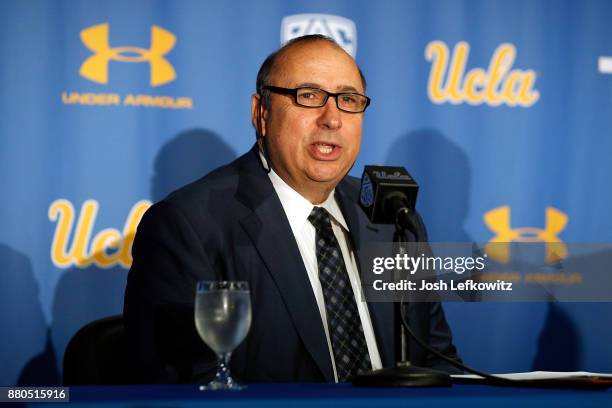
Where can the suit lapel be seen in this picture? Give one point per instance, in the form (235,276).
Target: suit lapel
(269,230)
(361,232)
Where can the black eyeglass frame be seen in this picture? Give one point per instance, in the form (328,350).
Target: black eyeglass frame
(294,92)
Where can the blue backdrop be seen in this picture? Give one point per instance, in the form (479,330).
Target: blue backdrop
(500,109)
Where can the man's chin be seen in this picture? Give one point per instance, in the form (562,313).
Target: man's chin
(326,178)
(327,172)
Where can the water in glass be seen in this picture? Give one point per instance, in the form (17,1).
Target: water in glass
(223,319)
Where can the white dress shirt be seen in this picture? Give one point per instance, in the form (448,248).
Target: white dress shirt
(297,209)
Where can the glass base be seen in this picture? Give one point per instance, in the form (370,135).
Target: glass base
(221,386)
(223,380)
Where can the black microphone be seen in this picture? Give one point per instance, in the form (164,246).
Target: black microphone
(388,196)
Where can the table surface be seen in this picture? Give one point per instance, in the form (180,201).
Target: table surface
(333,395)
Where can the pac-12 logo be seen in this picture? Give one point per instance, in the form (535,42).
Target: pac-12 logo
(498,221)
(341,29)
(366,197)
(95,68)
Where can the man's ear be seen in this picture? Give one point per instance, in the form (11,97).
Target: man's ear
(258,115)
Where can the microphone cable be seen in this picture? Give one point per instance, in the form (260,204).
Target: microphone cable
(403,218)
(494,380)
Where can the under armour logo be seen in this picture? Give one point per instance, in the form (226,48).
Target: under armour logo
(95,68)
(498,221)
(341,29)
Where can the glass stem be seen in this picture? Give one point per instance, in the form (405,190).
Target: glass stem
(223,374)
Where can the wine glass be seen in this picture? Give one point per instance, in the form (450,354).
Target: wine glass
(223,319)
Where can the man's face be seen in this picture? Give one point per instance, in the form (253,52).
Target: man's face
(312,149)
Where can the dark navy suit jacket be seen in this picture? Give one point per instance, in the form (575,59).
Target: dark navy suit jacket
(230,225)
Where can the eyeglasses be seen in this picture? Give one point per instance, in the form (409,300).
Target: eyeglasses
(351,102)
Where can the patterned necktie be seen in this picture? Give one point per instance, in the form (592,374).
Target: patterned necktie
(343,322)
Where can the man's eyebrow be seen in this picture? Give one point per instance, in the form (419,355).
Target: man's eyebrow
(347,88)
(339,88)
(308,85)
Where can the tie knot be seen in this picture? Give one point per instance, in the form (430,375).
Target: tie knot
(319,218)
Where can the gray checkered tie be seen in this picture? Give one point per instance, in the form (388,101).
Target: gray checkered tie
(345,330)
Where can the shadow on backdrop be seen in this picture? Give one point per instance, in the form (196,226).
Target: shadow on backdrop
(86,294)
(559,346)
(24,330)
(577,335)
(443,172)
(186,158)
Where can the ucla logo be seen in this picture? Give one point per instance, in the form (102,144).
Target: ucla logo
(498,221)
(108,248)
(341,29)
(498,84)
(95,68)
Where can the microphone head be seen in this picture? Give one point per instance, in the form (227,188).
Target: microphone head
(379,185)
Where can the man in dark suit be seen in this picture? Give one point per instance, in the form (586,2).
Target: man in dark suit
(274,218)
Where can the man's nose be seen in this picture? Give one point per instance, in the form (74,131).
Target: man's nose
(331,116)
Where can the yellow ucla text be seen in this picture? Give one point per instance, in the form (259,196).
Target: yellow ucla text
(108,248)
(498,221)
(499,84)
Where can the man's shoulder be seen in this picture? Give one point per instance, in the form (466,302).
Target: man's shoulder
(221,178)
(209,203)
(220,184)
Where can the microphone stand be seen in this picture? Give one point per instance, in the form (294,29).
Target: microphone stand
(403,374)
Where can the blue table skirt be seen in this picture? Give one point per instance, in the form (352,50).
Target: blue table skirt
(332,395)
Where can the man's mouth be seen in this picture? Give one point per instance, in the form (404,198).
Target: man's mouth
(325,151)
(324,148)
